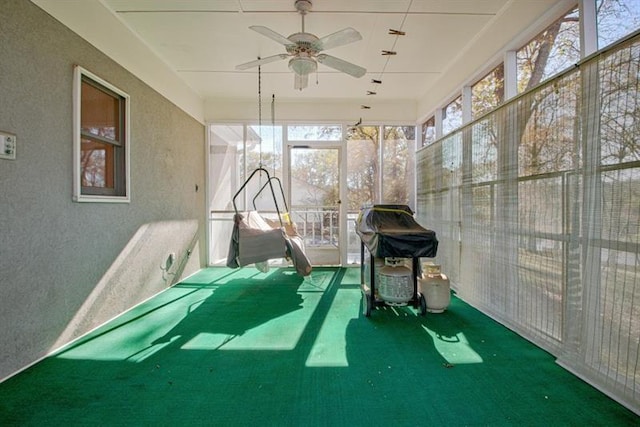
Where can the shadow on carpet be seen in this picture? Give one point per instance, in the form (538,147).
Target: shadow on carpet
(240,347)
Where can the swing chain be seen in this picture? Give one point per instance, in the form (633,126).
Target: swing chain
(273,127)
(260,112)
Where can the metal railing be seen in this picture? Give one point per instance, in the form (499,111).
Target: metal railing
(319,225)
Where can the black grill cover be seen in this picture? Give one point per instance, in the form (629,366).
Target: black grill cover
(391,231)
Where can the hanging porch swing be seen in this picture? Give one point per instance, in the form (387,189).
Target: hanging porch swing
(256,239)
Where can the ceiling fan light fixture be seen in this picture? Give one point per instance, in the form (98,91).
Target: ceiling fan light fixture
(303,66)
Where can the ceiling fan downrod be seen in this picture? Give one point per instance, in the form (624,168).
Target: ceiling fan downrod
(303,6)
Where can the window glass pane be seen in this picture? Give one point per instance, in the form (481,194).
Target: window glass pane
(315,133)
(484,148)
(315,174)
(100,113)
(488,93)
(397,164)
(552,51)
(362,166)
(264,146)
(620,105)
(452,160)
(427,161)
(97,164)
(616,19)
(429,131)
(548,141)
(225,159)
(452,116)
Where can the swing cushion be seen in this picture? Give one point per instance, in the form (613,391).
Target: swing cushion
(253,240)
(295,251)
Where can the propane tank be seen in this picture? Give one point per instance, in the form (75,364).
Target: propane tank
(435,288)
(395,285)
(378,263)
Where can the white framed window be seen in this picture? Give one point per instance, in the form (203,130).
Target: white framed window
(452,116)
(100,140)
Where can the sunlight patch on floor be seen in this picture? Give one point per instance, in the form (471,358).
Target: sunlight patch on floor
(330,347)
(454,349)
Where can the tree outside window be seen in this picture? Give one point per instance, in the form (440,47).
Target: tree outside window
(488,92)
(429,131)
(550,52)
(452,116)
(616,19)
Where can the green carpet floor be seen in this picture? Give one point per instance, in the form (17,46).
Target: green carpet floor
(243,348)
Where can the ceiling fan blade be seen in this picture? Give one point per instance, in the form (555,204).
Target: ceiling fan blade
(339,38)
(300,81)
(268,32)
(341,65)
(261,61)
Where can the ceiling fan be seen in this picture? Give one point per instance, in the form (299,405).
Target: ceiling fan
(304,50)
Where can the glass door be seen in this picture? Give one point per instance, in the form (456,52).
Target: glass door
(314,188)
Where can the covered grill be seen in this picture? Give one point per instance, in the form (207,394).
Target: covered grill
(391,231)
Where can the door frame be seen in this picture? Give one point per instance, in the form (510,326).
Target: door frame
(342,173)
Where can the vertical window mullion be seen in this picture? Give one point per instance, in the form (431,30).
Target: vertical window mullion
(510,74)
(588,28)
(380,162)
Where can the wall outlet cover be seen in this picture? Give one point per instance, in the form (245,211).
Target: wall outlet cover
(7,146)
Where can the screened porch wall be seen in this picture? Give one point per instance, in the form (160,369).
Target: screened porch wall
(537,210)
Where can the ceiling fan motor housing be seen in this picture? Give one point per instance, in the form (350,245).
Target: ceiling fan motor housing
(303,43)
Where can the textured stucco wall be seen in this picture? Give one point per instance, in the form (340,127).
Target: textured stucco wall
(67,267)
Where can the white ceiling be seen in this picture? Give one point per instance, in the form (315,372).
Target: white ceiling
(202,41)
